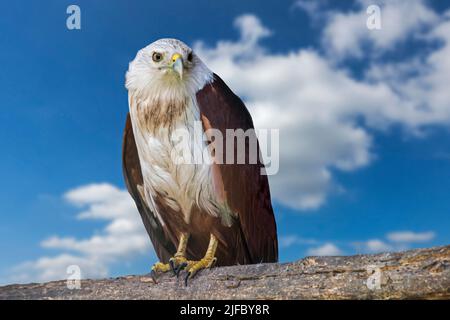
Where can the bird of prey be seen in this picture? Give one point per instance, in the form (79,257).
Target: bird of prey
(196,215)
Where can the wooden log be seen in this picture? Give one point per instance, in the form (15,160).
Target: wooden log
(414,274)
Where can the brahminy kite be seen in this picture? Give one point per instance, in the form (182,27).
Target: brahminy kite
(197,214)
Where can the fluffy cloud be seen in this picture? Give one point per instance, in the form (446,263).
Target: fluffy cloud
(122,239)
(310,7)
(291,240)
(318,105)
(376,245)
(346,34)
(328,249)
(54,268)
(395,241)
(373,246)
(410,236)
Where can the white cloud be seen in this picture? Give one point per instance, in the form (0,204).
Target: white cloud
(328,249)
(376,245)
(312,7)
(410,236)
(54,268)
(346,34)
(251,29)
(291,240)
(395,241)
(373,246)
(122,239)
(318,105)
(102,201)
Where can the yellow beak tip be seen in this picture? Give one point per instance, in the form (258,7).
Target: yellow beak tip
(177,64)
(175,57)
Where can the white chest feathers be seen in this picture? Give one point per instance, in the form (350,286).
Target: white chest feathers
(176,178)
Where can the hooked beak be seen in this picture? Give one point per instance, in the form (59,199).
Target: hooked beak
(177,64)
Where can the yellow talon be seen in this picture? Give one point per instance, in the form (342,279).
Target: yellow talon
(204,263)
(160,267)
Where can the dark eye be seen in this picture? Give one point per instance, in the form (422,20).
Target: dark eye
(190,56)
(157,56)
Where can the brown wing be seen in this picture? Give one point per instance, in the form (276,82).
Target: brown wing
(246,190)
(133,178)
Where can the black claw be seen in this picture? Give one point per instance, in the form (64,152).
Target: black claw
(153,276)
(172,267)
(180,267)
(187,278)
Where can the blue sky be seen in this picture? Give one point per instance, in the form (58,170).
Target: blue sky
(374,174)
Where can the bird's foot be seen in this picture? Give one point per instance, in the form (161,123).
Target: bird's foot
(193,267)
(176,263)
(206,262)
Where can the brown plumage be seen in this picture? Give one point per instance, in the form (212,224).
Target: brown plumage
(252,237)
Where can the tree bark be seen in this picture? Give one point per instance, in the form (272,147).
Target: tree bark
(415,274)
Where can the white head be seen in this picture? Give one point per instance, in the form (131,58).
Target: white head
(167,67)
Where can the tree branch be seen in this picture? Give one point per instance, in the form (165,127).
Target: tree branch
(421,274)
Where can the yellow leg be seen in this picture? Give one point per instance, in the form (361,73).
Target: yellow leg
(179,261)
(206,262)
